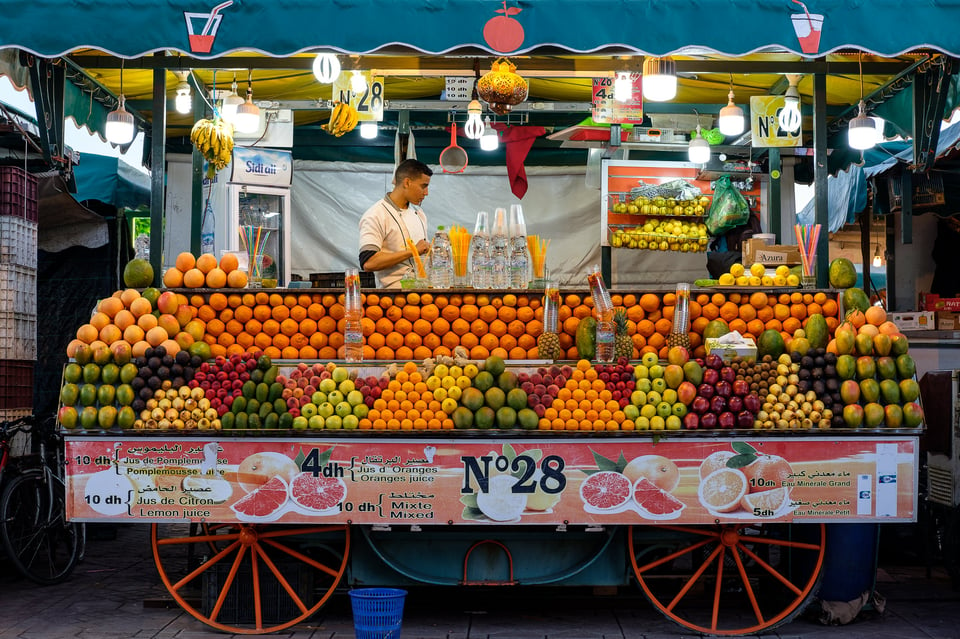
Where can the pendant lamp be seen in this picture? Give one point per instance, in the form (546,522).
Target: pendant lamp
(731,120)
(120,128)
(326,67)
(659,79)
(699,149)
(247,119)
(862,131)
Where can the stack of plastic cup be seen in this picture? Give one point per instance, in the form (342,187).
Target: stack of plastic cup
(603,309)
(480,247)
(353,312)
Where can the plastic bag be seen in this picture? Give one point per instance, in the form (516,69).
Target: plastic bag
(729,208)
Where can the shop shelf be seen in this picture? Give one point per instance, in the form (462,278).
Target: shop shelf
(18,242)
(18,193)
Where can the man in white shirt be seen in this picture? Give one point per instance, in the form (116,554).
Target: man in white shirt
(387,225)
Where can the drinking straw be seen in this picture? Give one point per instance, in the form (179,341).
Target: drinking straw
(807,238)
(421,272)
(460,245)
(538,253)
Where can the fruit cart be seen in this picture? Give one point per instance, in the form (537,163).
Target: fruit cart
(260,513)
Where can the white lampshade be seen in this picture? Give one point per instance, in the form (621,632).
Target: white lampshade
(368,130)
(120,128)
(228,109)
(790,116)
(862,131)
(183,103)
(622,87)
(699,149)
(489,141)
(731,120)
(247,119)
(474,126)
(659,79)
(326,67)
(358,83)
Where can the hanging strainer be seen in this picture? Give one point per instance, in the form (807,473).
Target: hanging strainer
(453,159)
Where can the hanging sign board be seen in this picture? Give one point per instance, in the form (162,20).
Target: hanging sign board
(458,88)
(369,103)
(607,110)
(765,123)
(263,167)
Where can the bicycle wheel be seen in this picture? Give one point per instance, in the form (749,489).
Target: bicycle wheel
(37,538)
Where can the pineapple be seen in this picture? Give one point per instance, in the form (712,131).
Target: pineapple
(679,339)
(622,343)
(548,346)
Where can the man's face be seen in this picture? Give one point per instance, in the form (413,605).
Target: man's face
(415,189)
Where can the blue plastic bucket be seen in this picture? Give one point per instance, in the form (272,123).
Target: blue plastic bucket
(377,612)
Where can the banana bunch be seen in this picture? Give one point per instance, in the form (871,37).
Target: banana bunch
(214,140)
(343,119)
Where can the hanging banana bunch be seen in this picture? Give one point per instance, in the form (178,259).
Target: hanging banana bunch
(343,119)
(214,140)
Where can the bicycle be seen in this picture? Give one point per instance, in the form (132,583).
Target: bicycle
(36,535)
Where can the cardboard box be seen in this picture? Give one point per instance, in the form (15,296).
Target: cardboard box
(933,302)
(730,352)
(770,254)
(948,320)
(914,321)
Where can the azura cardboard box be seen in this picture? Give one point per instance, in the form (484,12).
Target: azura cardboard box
(770,254)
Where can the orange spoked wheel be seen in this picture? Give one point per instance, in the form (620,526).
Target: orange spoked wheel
(248,578)
(728,579)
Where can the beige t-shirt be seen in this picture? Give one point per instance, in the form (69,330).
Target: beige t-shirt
(381,229)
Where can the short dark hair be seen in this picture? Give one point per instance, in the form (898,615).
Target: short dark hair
(410,169)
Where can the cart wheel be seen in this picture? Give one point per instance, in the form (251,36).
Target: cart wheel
(250,579)
(728,579)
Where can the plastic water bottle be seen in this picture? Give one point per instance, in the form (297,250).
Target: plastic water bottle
(603,310)
(500,254)
(441,259)
(480,258)
(519,253)
(207,229)
(353,311)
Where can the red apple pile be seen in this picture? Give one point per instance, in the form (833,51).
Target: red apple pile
(222,379)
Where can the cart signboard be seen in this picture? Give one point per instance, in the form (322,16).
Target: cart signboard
(495,481)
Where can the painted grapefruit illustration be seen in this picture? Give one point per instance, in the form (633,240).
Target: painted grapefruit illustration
(259,468)
(722,490)
(767,503)
(655,502)
(661,472)
(606,490)
(263,504)
(317,493)
(715,461)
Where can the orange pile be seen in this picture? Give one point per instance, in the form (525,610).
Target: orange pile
(204,271)
(406,404)
(584,404)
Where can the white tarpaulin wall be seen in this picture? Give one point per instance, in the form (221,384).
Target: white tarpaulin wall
(328,199)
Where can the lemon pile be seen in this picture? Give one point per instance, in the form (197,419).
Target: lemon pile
(757,276)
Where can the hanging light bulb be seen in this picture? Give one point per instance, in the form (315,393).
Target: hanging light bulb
(368,130)
(474,125)
(862,131)
(183,103)
(659,79)
(247,119)
(731,120)
(358,83)
(790,117)
(228,109)
(120,128)
(877,260)
(326,67)
(699,149)
(622,87)
(489,141)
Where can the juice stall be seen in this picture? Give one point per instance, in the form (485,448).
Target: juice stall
(273,472)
